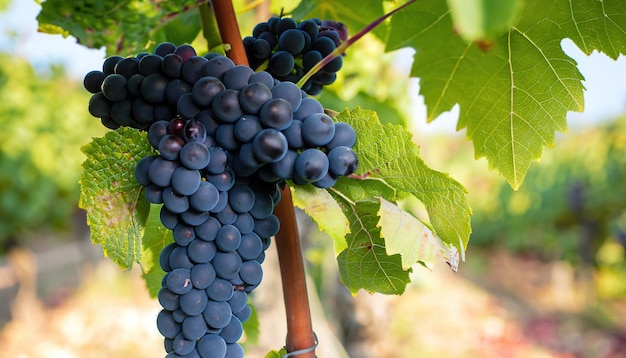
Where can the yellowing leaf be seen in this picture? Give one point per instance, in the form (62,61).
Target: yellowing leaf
(324,210)
(391,162)
(409,237)
(116,208)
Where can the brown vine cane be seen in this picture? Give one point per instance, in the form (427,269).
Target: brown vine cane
(300,336)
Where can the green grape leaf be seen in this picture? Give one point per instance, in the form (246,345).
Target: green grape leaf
(514,94)
(155,238)
(121,26)
(276,354)
(484,20)
(252,326)
(354,17)
(388,155)
(180,29)
(116,208)
(412,239)
(324,210)
(365,264)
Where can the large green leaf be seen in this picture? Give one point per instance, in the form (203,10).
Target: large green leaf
(390,160)
(365,264)
(116,208)
(515,95)
(121,26)
(483,20)
(355,15)
(382,242)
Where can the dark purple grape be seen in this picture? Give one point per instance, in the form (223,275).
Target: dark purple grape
(150,64)
(93,81)
(175,89)
(194,155)
(318,129)
(270,145)
(342,161)
(311,165)
(225,106)
(169,146)
(186,107)
(185,51)
(194,131)
(114,87)
(186,181)
(164,48)
(237,77)
(344,136)
(253,96)
(141,170)
(172,65)
(246,128)
(205,89)
(292,41)
(276,113)
(281,63)
(153,88)
(205,198)
(192,69)
(99,106)
(108,67)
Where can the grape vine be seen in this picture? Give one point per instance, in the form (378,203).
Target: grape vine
(219,140)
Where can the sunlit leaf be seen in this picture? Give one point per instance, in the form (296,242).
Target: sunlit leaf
(515,94)
(116,209)
(409,237)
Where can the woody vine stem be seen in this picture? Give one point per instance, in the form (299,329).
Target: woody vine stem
(299,327)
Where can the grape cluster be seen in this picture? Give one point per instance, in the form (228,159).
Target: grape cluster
(288,50)
(227,139)
(221,224)
(138,91)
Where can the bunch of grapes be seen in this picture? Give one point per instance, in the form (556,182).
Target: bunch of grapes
(288,50)
(227,138)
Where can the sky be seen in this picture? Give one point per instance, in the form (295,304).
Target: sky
(605,79)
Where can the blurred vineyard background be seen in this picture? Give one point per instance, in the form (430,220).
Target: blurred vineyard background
(545,274)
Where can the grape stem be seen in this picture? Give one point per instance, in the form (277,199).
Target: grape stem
(299,326)
(344,46)
(210,31)
(229,30)
(300,334)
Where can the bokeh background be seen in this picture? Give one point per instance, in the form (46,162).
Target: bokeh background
(544,277)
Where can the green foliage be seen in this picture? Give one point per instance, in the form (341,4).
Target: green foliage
(321,206)
(374,253)
(411,239)
(354,16)
(276,354)
(155,238)
(39,147)
(116,209)
(514,90)
(365,263)
(484,20)
(122,26)
(513,95)
(580,183)
(387,153)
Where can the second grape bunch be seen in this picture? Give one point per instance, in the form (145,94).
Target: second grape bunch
(227,138)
